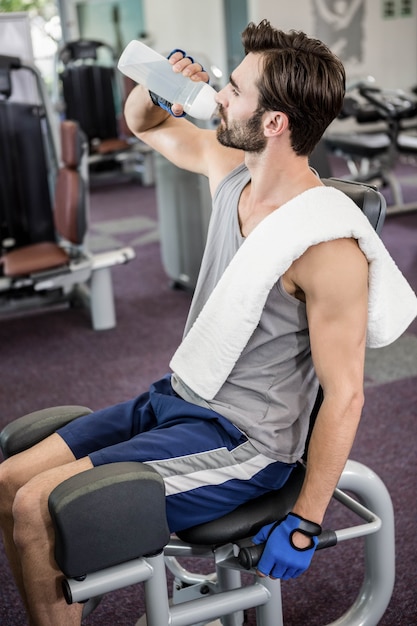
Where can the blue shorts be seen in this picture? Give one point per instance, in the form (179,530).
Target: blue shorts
(208,465)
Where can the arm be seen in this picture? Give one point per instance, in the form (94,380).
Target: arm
(179,140)
(332,277)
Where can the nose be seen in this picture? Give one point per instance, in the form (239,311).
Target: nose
(221,97)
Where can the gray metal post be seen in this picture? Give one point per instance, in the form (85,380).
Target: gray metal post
(228,579)
(156,596)
(270,613)
(376,591)
(103,313)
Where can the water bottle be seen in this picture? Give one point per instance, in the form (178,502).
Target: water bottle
(151,69)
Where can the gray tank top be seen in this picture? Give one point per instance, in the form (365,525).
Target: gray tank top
(271,390)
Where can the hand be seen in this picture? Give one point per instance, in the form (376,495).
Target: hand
(185,64)
(182,62)
(286,554)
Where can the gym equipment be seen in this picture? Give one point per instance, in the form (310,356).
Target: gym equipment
(44,259)
(27,175)
(184,207)
(92,95)
(371,155)
(126,500)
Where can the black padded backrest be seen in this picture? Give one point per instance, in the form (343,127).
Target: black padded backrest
(26,214)
(89,98)
(368,199)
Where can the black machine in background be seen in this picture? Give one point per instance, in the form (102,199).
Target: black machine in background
(385,125)
(89,90)
(93,94)
(27,176)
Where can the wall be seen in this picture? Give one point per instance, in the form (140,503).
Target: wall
(197,26)
(389,45)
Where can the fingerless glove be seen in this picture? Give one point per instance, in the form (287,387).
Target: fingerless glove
(281,558)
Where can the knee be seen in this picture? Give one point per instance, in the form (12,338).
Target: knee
(28,515)
(8,486)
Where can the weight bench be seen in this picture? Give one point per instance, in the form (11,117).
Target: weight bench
(111,529)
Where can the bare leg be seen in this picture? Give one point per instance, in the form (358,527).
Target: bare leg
(25,483)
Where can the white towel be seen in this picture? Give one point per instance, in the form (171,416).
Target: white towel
(210,350)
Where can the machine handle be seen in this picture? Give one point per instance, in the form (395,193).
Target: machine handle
(249,556)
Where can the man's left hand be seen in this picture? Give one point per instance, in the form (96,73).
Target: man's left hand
(282,558)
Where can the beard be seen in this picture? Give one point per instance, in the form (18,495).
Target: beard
(246,135)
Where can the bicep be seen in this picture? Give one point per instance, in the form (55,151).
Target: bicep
(193,149)
(180,141)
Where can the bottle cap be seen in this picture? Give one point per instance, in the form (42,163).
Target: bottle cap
(204,105)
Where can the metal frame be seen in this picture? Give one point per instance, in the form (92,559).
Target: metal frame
(220,594)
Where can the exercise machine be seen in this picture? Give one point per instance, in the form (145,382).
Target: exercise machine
(111,530)
(372,149)
(93,93)
(44,258)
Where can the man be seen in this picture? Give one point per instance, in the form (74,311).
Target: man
(232,419)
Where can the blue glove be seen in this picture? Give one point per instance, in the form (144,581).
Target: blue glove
(281,558)
(161,102)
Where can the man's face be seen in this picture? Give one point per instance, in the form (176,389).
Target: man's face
(244,135)
(241,118)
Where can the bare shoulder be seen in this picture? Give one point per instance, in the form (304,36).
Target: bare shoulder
(336,267)
(334,252)
(221,161)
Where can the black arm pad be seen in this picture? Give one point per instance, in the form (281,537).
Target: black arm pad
(25,431)
(108,515)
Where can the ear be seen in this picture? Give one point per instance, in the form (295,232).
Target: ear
(275,123)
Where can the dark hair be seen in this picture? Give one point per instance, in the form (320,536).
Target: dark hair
(301,77)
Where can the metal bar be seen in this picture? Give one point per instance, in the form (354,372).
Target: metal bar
(110,579)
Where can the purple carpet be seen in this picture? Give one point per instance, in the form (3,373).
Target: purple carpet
(54,357)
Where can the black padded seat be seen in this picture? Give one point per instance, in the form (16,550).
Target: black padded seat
(247,519)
